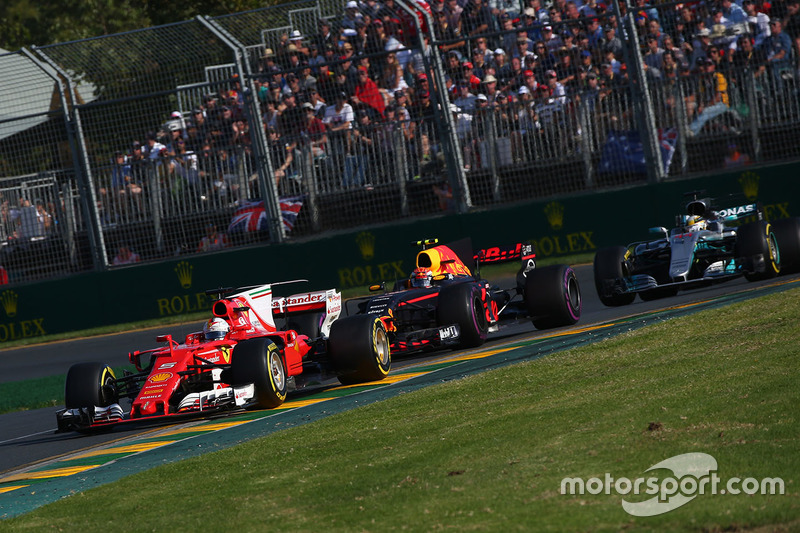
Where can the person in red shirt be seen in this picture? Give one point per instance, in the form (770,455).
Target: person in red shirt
(367,92)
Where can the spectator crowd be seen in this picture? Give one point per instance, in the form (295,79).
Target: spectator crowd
(347,99)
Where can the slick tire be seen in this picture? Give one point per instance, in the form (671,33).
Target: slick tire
(609,269)
(787,231)
(757,245)
(359,349)
(463,304)
(259,361)
(553,296)
(90,384)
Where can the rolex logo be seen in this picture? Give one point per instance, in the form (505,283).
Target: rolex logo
(554,212)
(366,244)
(184,272)
(9,300)
(749,182)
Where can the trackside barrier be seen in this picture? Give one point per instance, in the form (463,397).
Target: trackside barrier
(575,225)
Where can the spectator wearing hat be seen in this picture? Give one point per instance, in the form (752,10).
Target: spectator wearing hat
(509,37)
(499,62)
(523,46)
(557,91)
(351,15)
(711,98)
(594,32)
(468,76)
(365,140)
(530,23)
(490,89)
(701,43)
(778,51)
(611,42)
(654,58)
(465,100)
(529,82)
(552,41)
(479,63)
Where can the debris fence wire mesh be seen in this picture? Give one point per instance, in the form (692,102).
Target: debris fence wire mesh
(161,142)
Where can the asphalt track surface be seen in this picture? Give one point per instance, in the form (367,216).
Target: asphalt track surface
(38,466)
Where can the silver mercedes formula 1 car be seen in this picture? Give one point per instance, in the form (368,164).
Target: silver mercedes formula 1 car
(707,245)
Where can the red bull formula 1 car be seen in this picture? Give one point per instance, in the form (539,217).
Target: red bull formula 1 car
(240,359)
(445,304)
(707,245)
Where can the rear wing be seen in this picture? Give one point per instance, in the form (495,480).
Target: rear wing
(522,252)
(328,303)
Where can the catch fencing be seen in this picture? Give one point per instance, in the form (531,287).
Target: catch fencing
(259,127)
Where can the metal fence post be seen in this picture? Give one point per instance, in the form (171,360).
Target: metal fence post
(641,96)
(80,159)
(586,144)
(452,153)
(269,191)
(755,113)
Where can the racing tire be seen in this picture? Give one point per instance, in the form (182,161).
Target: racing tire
(787,231)
(259,361)
(553,296)
(609,270)
(305,324)
(90,385)
(757,245)
(463,304)
(359,349)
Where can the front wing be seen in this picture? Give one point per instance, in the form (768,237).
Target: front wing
(194,404)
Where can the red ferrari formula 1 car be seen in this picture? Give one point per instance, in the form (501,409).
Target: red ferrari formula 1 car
(240,359)
(445,304)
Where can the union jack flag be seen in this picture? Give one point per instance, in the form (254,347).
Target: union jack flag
(251,215)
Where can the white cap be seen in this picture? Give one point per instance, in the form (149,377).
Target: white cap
(351,5)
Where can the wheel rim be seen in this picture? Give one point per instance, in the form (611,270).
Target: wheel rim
(480,316)
(774,251)
(573,294)
(276,371)
(382,347)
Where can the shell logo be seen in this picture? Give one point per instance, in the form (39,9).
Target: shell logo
(160,377)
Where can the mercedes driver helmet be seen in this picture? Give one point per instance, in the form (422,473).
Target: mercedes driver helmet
(696,223)
(215,329)
(421,277)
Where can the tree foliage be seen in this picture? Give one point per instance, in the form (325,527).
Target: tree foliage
(46,22)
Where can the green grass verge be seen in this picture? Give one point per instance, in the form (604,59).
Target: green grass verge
(488,452)
(37,393)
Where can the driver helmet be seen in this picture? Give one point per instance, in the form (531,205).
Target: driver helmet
(421,277)
(215,329)
(696,223)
